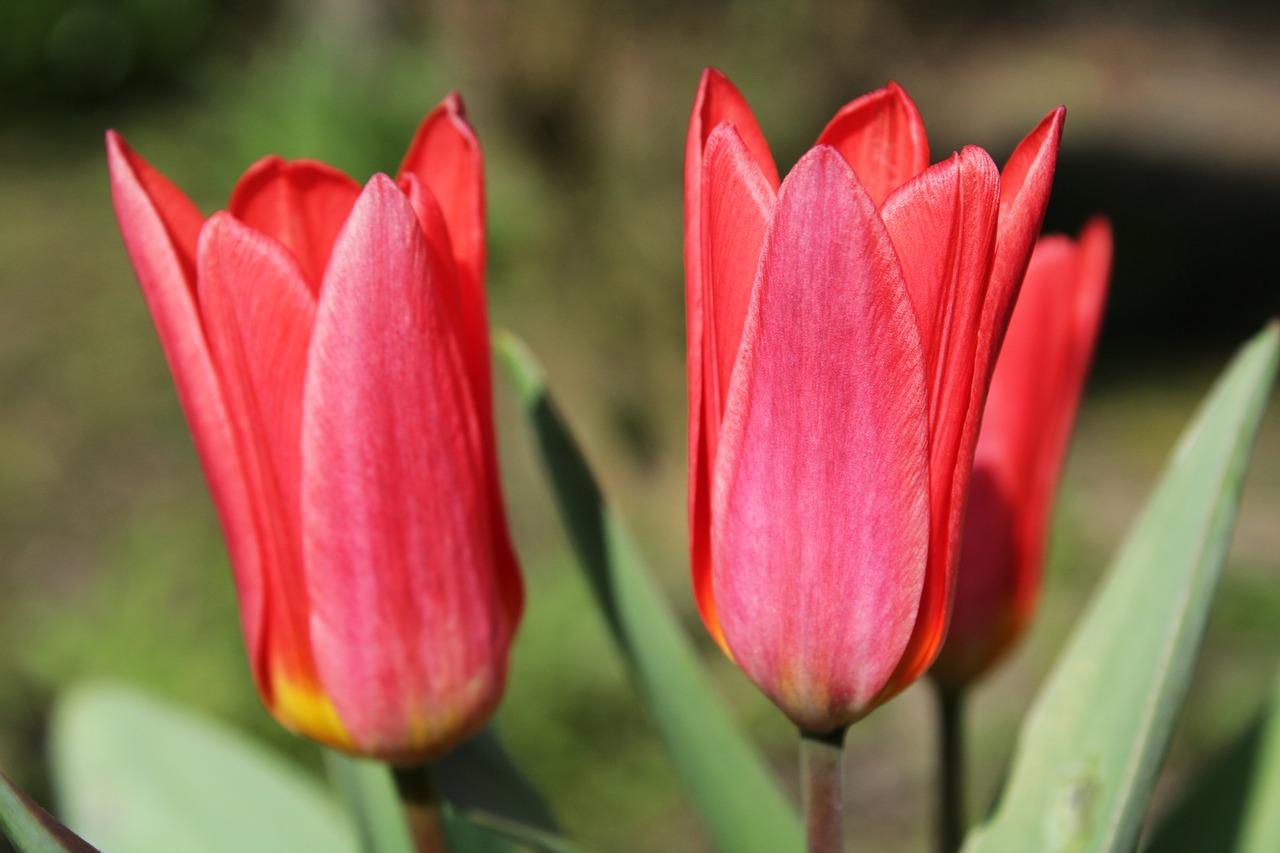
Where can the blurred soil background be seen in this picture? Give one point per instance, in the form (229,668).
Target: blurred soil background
(111,563)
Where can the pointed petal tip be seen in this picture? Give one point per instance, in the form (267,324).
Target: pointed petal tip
(1051,125)
(217,229)
(455,110)
(894,88)
(710,80)
(714,83)
(383,183)
(118,152)
(382,192)
(381,196)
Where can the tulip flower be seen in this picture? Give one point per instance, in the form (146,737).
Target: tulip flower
(1021,448)
(842,325)
(330,351)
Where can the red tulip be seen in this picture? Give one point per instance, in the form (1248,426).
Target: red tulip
(330,349)
(1023,442)
(841,328)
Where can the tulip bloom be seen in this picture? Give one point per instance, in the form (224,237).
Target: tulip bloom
(330,350)
(1023,442)
(841,327)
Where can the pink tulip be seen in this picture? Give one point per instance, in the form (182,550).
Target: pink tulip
(330,350)
(841,328)
(1023,442)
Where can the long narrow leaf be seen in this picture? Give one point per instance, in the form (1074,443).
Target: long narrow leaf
(1090,748)
(525,836)
(370,795)
(479,776)
(741,805)
(1233,803)
(1208,815)
(1260,824)
(30,828)
(368,792)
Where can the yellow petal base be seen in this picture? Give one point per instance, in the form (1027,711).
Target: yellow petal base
(302,708)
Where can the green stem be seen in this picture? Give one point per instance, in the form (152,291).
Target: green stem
(821,778)
(421,805)
(951,806)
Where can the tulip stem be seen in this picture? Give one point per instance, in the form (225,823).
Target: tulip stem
(421,805)
(822,780)
(951,808)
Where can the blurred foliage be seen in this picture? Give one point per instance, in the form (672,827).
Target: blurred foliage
(64,55)
(111,563)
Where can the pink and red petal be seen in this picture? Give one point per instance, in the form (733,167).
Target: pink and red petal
(398,526)
(821,506)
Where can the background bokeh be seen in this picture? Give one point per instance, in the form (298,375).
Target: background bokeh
(111,564)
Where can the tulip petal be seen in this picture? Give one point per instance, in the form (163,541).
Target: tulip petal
(821,506)
(718,102)
(161,228)
(943,225)
(443,176)
(445,159)
(1024,194)
(987,588)
(881,136)
(445,156)
(301,203)
(1025,182)
(258,313)
(436,231)
(397,522)
(737,203)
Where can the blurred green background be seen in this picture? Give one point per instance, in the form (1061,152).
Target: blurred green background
(111,563)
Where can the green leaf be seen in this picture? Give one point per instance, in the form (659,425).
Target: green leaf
(30,828)
(525,836)
(1260,824)
(1090,748)
(369,793)
(1234,802)
(1208,815)
(741,805)
(140,775)
(479,776)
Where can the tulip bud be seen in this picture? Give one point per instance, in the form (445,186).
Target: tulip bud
(841,327)
(330,350)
